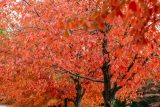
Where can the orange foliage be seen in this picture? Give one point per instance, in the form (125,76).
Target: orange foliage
(46,42)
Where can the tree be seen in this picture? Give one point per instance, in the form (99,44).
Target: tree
(106,41)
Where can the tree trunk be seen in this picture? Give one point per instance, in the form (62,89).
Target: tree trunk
(107,92)
(78,103)
(107,87)
(79,97)
(79,93)
(65,102)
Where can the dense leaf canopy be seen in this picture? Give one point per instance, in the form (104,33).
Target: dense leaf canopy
(48,45)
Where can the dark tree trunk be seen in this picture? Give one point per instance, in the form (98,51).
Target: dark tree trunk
(78,103)
(79,96)
(79,92)
(107,93)
(107,87)
(65,102)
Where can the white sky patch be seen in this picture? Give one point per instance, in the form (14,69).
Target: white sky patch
(158,27)
(3,106)
(18,1)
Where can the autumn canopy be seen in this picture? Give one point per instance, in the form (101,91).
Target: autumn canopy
(84,52)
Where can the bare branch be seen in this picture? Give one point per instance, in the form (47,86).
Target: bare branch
(151,95)
(132,63)
(27,2)
(80,76)
(31,5)
(130,66)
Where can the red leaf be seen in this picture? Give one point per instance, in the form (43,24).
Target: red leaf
(133,6)
(119,13)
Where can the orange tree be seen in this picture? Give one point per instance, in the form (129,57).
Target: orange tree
(114,43)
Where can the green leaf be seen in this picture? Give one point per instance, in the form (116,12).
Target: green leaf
(1,32)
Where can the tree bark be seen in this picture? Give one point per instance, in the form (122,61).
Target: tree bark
(65,102)
(107,92)
(79,96)
(78,103)
(107,87)
(79,93)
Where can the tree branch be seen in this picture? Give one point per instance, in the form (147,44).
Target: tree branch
(31,5)
(132,63)
(80,76)
(151,95)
